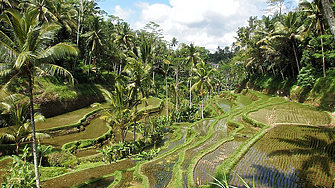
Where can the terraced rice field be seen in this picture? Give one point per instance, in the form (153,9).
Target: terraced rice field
(83,176)
(219,132)
(159,172)
(289,156)
(292,112)
(206,166)
(64,119)
(96,128)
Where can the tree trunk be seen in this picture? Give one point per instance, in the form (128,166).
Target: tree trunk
(31,100)
(202,105)
(167,97)
(190,90)
(296,56)
(89,65)
(323,59)
(327,8)
(177,89)
(78,31)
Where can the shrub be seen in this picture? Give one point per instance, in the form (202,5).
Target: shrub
(20,173)
(306,77)
(62,159)
(186,113)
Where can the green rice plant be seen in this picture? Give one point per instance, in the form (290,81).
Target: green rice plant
(291,153)
(223,183)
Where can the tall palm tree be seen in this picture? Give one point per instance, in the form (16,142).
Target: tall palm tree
(25,52)
(193,57)
(314,12)
(166,71)
(42,6)
(94,39)
(290,29)
(202,75)
(174,42)
(138,73)
(124,36)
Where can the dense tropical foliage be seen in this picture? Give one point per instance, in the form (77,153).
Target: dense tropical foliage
(82,44)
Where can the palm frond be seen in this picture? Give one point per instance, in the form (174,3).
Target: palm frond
(21,60)
(55,69)
(7,137)
(58,51)
(7,51)
(48,31)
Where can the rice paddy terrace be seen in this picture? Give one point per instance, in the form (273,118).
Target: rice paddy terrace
(265,140)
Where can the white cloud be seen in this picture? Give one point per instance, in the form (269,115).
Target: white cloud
(208,23)
(122,13)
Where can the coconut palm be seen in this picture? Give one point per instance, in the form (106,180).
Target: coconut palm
(94,39)
(124,35)
(193,57)
(122,113)
(138,74)
(290,29)
(166,71)
(203,81)
(42,7)
(314,12)
(174,42)
(64,13)
(19,128)
(25,52)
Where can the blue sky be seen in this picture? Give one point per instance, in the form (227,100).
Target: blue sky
(206,23)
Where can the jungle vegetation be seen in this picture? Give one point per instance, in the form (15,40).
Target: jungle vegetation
(78,43)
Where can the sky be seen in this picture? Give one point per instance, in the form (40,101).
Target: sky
(206,23)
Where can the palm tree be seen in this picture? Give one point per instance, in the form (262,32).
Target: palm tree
(191,60)
(64,14)
(122,113)
(166,70)
(174,42)
(202,75)
(42,6)
(290,29)
(138,73)
(124,36)
(19,128)
(26,53)
(94,40)
(314,13)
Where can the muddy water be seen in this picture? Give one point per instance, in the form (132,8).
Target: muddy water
(206,166)
(224,104)
(64,119)
(220,132)
(159,172)
(96,128)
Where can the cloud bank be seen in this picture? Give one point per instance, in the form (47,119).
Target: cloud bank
(209,23)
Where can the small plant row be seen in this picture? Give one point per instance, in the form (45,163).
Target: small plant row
(182,180)
(293,156)
(228,164)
